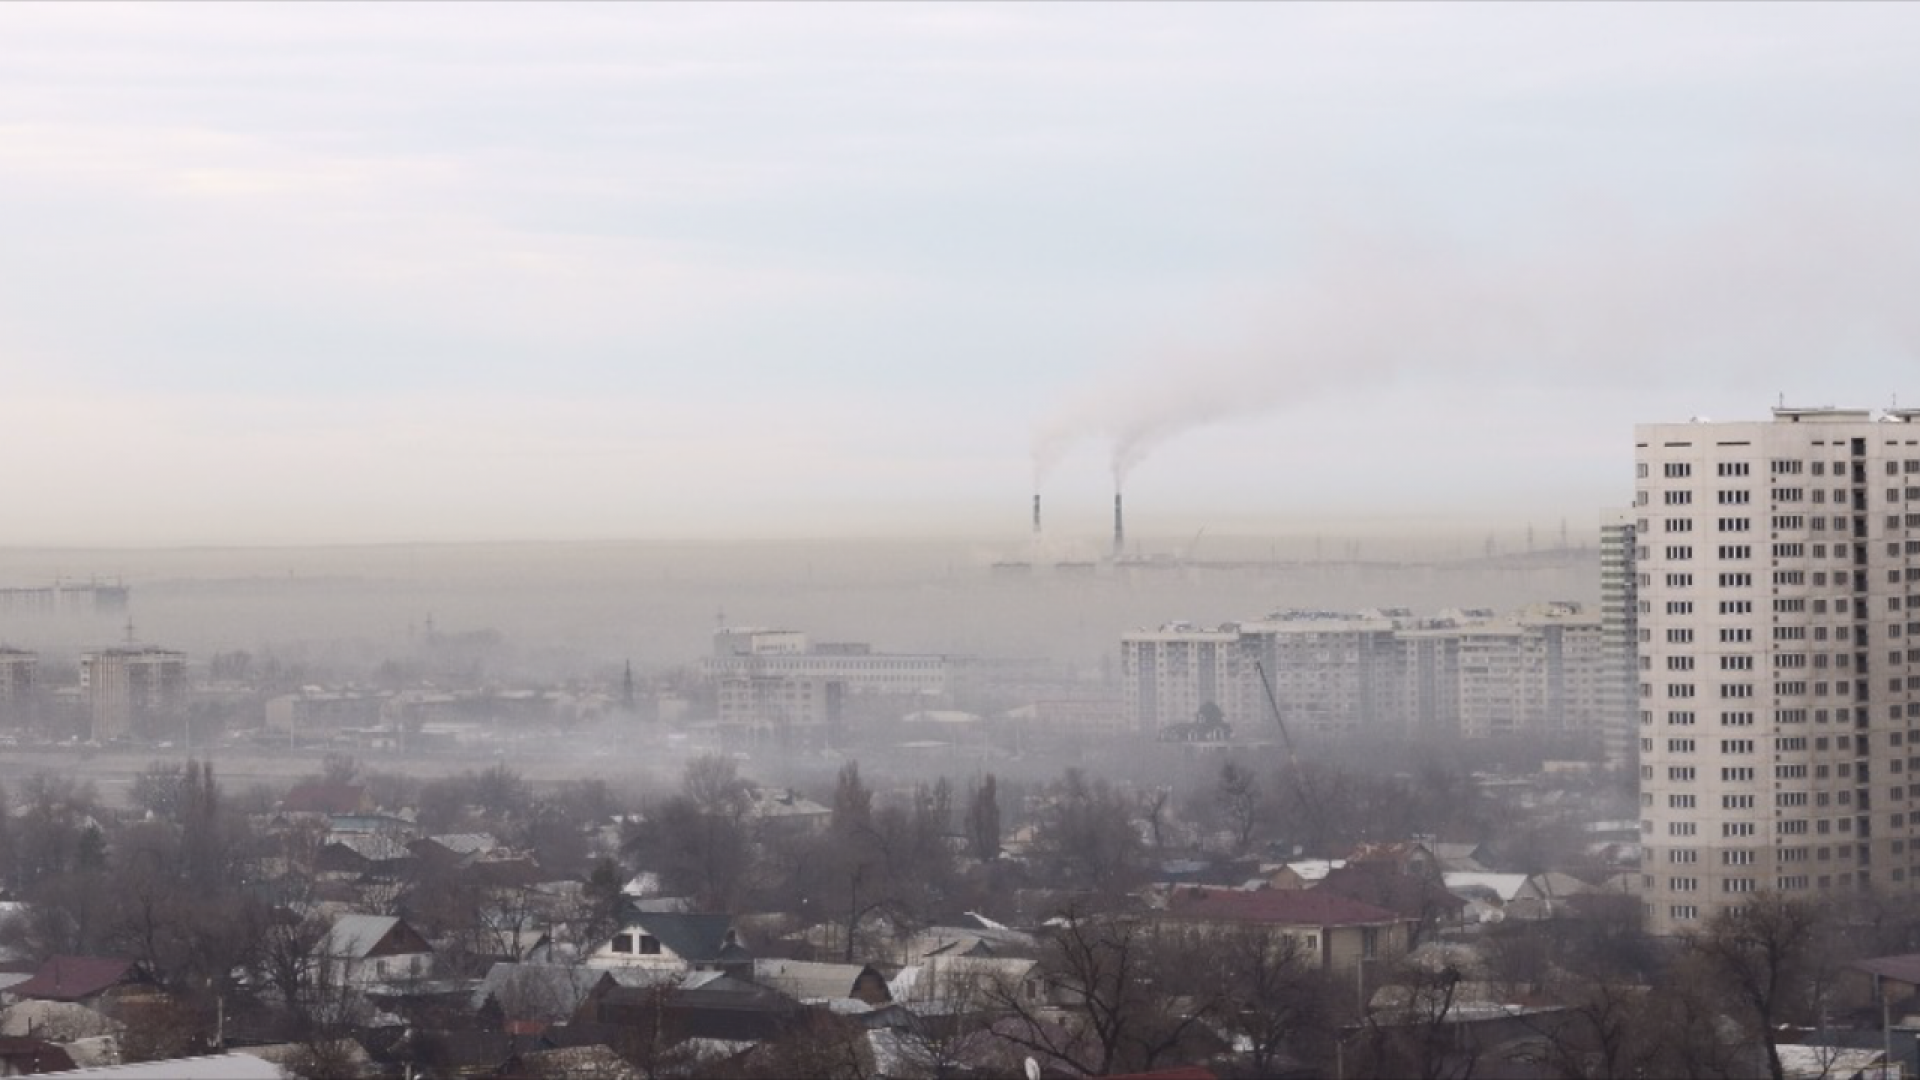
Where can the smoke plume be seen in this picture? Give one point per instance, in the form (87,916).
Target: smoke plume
(1811,275)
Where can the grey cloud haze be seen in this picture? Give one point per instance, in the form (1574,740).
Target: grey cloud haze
(473,271)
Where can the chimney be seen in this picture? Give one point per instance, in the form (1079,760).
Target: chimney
(1036,513)
(1119,528)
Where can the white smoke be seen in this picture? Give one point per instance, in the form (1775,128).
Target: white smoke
(1813,274)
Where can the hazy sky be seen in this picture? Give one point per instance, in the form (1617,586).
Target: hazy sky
(317,272)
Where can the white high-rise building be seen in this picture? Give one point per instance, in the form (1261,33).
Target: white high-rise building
(1778,593)
(130,685)
(1620,622)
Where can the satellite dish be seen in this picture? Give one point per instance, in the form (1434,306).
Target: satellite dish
(1033,1069)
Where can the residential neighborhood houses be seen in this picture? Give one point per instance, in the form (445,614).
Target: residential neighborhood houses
(733,896)
(361,924)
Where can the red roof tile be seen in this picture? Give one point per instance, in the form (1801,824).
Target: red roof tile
(72,978)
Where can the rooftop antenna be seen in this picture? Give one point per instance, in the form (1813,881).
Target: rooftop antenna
(129,631)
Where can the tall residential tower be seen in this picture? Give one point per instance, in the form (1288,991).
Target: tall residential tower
(1778,577)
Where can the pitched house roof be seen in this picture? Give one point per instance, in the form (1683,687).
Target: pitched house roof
(372,847)
(722,1007)
(1276,907)
(1460,856)
(695,938)
(959,978)
(1312,870)
(465,843)
(706,1005)
(499,870)
(356,937)
(1401,852)
(74,978)
(1382,885)
(547,992)
(810,981)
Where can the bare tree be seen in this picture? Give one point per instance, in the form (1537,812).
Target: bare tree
(156,789)
(1240,798)
(1108,972)
(820,1045)
(1273,992)
(1763,957)
(1608,1029)
(932,1043)
(983,820)
(1415,1033)
(1085,835)
(698,841)
(1154,803)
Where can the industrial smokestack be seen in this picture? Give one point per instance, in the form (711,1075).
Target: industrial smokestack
(1119,528)
(1036,513)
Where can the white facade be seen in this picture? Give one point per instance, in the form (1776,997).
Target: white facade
(1542,672)
(1778,581)
(787,654)
(777,707)
(1169,673)
(18,669)
(1619,614)
(127,684)
(1537,672)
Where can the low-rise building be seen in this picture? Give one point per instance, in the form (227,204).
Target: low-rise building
(1337,932)
(673,942)
(362,950)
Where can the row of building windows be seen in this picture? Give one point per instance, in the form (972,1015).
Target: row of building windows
(1734,885)
(1795,715)
(1816,523)
(1749,856)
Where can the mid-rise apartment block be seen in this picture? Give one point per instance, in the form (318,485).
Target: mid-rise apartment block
(18,669)
(1777,571)
(1540,671)
(129,685)
(780,685)
(790,654)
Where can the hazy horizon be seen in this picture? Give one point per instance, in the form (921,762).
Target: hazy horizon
(286,274)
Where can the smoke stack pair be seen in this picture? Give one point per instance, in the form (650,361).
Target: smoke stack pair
(1036,513)
(1119,528)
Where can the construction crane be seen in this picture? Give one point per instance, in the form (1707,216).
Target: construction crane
(1194,544)
(1310,805)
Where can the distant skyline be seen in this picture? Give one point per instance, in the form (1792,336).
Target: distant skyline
(373,273)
